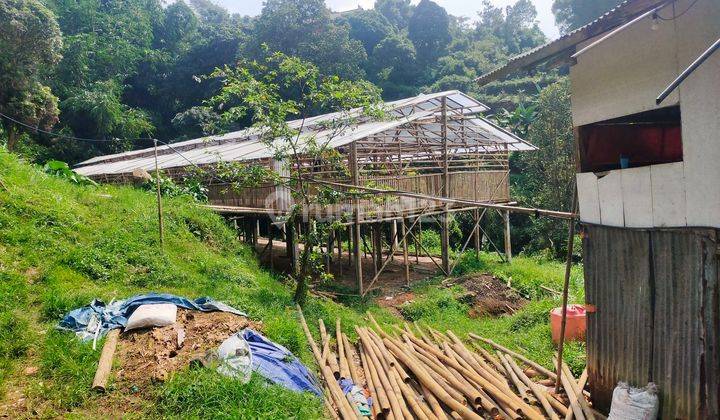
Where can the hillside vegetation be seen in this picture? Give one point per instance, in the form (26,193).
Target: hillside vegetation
(62,245)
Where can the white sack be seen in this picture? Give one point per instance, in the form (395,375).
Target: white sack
(630,403)
(153,315)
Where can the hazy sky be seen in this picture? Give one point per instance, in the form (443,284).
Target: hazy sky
(467,8)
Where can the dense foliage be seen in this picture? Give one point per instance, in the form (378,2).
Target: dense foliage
(124,71)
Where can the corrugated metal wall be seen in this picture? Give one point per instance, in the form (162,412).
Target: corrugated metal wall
(658,314)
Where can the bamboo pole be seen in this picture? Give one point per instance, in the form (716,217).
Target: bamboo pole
(579,397)
(540,368)
(328,357)
(346,412)
(161,228)
(374,392)
(427,381)
(381,373)
(350,356)
(523,390)
(566,287)
(344,367)
(105,363)
(433,402)
(541,394)
(568,383)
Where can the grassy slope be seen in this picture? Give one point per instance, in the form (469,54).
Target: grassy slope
(62,245)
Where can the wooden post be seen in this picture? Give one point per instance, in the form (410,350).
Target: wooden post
(418,238)
(270,244)
(328,251)
(508,246)
(161,228)
(355,173)
(377,246)
(105,362)
(405,252)
(566,287)
(445,231)
(338,239)
(257,230)
(393,238)
(350,246)
(477,235)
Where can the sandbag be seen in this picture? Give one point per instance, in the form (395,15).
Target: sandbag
(630,403)
(153,315)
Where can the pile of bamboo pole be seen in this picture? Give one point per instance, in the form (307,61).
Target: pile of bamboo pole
(425,374)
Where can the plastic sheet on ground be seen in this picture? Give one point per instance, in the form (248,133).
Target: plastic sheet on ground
(278,365)
(98,318)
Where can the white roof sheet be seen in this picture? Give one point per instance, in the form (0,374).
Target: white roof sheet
(245,145)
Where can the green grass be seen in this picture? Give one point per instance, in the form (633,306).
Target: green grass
(62,245)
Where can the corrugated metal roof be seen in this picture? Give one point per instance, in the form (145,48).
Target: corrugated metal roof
(564,46)
(246,145)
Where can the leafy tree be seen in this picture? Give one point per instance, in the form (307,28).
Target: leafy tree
(30,42)
(305,29)
(255,89)
(429,30)
(571,14)
(178,25)
(545,175)
(516,27)
(394,68)
(397,12)
(368,26)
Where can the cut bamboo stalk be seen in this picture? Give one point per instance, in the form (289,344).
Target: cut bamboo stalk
(487,403)
(346,412)
(578,393)
(428,382)
(344,367)
(490,358)
(369,383)
(393,377)
(535,388)
(540,368)
(433,402)
(381,371)
(411,398)
(472,359)
(330,356)
(511,400)
(558,405)
(519,385)
(382,400)
(328,400)
(568,381)
(350,356)
(424,337)
(105,363)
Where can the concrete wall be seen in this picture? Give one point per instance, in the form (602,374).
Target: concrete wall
(623,75)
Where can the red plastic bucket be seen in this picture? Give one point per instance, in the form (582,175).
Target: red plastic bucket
(574,327)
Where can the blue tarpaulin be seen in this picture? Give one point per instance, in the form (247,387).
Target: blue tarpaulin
(278,365)
(85,321)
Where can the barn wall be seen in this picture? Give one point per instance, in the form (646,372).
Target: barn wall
(623,75)
(657,318)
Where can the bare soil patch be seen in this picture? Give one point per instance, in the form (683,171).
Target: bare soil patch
(487,295)
(152,354)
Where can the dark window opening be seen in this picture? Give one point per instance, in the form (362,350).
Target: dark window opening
(643,139)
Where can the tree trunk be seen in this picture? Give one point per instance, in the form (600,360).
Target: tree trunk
(12,136)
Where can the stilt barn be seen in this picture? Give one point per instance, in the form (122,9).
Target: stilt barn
(430,147)
(646,109)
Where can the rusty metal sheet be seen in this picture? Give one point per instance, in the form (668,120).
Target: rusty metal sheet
(619,334)
(685,358)
(658,316)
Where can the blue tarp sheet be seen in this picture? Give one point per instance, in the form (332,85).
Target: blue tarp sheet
(85,321)
(278,365)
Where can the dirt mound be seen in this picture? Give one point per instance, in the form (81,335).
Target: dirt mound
(149,355)
(488,295)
